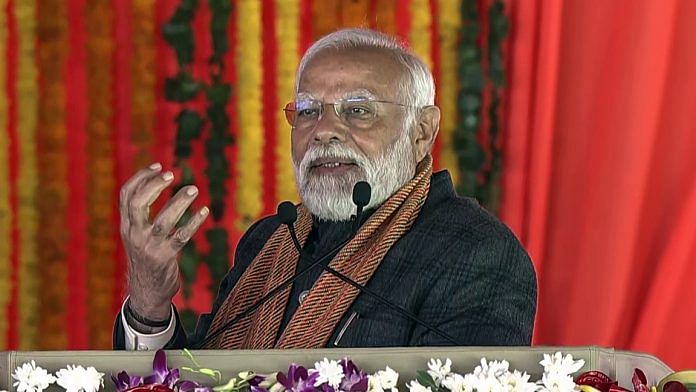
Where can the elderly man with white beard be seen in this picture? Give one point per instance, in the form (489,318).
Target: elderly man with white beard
(425,267)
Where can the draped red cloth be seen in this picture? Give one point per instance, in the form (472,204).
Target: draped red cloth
(600,170)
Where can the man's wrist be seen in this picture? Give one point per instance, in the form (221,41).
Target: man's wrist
(143,324)
(159,311)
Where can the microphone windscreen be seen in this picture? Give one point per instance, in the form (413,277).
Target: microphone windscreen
(362,191)
(287,213)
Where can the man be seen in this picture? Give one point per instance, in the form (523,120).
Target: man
(363,111)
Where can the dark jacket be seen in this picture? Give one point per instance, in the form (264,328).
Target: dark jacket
(458,268)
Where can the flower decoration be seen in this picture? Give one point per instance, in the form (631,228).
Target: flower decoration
(557,372)
(354,379)
(557,363)
(557,382)
(123,381)
(383,381)
(496,376)
(161,374)
(78,379)
(162,378)
(298,379)
(415,386)
(596,381)
(32,378)
(330,373)
(438,371)
(345,376)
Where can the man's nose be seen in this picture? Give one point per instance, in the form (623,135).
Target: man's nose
(330,128)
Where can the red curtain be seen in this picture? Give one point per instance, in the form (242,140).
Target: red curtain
(600,170)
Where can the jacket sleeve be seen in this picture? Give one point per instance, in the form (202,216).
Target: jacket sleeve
(485,296)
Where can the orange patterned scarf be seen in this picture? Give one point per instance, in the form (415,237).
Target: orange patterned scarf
(316,318)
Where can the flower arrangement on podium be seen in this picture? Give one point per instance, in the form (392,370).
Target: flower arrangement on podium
(345,376)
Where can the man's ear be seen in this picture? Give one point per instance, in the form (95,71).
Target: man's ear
(427,126)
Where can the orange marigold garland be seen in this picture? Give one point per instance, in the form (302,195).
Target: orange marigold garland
(53,48)
(450,22)
(100,185)
(287,30)
(325,17)
(27,181)
(143,79)
(5,219)
(385,16)
(355,13)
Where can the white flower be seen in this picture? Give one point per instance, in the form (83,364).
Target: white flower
(78,379)
(557,363)
(458,383)
(494,369)
(489,384)
(518,382)
(31,378)
(438,371)
(373,384)
(383,380)
(415,386)
(557,382)
(330,372)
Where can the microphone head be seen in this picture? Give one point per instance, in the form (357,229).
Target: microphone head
(287,213)
(362,191)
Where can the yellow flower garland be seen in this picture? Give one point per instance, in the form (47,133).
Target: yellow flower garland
(100,184)
(53,237)
(5,220)
(27,181)
(287,32)
(249,112)
(419,36)
(143,81)
(449,23)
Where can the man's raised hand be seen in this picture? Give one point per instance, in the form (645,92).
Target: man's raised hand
(153,246)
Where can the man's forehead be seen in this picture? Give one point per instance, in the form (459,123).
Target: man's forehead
(353,93)
(336,74)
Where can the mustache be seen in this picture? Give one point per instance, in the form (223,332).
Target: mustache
(332,151)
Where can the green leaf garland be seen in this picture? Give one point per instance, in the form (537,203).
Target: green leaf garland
(182,89)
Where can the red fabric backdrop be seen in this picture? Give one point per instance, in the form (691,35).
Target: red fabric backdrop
(599,153)
(600,170)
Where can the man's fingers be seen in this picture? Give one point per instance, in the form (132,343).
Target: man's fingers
(184,233)
(147,193)
(130,187)
(173,211)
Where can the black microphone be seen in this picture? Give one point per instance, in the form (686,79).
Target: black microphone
(362,192)
(363,289)
(287,214)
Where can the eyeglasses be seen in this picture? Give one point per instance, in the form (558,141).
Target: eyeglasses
(361,113)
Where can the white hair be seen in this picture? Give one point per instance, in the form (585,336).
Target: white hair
(417,89)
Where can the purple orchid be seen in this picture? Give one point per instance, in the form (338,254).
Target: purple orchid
(256,380)
(354,379)
(162,376)
(124,382)
(298,380)
(255,383)
(192,386)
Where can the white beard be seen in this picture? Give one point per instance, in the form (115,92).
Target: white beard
(330,198)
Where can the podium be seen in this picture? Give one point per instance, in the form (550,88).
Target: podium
(406,361)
